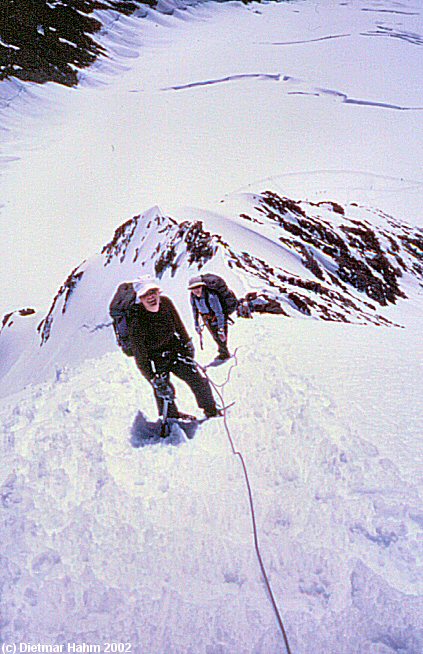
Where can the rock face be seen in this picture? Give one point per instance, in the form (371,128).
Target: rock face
(295,259)
(345,254)
(7,320)
(65,291)
(49,41)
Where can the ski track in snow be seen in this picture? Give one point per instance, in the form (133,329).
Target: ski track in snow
(277,77)
(229,78)
(304,41)
(408,37)
(391,11)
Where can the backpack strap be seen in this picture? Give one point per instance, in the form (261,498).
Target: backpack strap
(207,298)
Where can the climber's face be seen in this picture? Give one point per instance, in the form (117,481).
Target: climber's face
(198,291)
(151,300)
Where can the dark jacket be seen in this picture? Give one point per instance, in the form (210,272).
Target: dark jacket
(151,334)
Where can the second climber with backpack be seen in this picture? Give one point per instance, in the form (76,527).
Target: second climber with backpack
(212,302)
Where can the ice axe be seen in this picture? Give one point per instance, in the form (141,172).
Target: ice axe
(166,393)
(199,331)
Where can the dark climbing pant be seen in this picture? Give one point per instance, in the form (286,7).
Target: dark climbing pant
(186,369)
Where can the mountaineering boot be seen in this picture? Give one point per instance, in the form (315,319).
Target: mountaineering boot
(213,413)
(185,416)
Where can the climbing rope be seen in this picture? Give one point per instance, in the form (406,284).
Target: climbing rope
(219,389)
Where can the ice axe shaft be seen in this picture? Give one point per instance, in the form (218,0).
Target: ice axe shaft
(200,335)
(164,425)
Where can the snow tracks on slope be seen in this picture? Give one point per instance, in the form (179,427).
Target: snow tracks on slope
(102,540)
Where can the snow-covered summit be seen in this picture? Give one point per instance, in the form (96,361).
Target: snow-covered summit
(309,260)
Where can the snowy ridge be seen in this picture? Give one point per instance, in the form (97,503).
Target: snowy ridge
(301,259)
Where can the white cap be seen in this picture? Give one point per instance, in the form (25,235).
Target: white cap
(144,284)
(195,282)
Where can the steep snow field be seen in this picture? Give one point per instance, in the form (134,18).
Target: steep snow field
(153,546)
(325,97)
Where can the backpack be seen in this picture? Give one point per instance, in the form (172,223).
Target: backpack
(122,301)
(217,285)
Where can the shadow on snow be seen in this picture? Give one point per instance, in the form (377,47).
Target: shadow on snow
(145,432)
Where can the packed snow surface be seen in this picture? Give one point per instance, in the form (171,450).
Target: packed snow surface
(153,546)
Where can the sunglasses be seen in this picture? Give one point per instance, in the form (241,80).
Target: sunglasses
(153,291)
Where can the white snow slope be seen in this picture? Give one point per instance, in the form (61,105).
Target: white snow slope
(323,98)
(152,548)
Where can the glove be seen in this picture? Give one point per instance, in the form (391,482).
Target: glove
(244,310)
(162,387)
(221,334)
(190,349)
